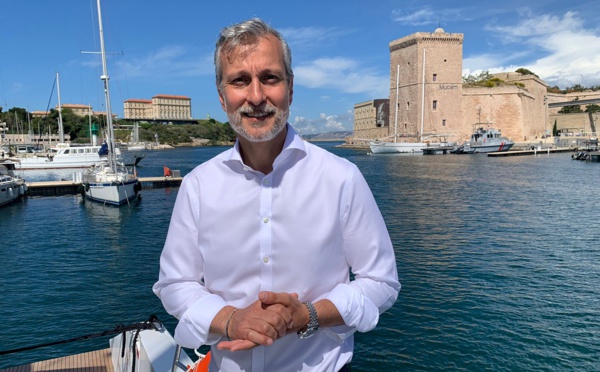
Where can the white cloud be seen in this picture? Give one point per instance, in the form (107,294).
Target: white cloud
(343,74)
(570,52)
(324,123)
(311,36)
(428,16)
(166,63)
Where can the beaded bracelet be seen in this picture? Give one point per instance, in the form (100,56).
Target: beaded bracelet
(227,324)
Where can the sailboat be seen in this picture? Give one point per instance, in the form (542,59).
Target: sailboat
(386,147)
(109,181)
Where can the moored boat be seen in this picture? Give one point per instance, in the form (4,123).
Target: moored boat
(12,187)
(484,141)
(72,156)
(381,147)
(110,184)
(109,181)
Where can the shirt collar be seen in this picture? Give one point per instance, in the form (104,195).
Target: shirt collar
(293,143)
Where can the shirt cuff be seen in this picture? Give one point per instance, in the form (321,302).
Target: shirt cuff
(193,329)
(357,310)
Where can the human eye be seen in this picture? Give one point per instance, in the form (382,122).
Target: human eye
(271,79)
(239,81)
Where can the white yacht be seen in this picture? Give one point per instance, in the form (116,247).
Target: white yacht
(12,187)
(72,156)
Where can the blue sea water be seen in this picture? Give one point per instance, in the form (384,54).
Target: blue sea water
(498,257)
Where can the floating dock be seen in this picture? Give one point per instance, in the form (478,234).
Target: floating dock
(60,188)
(530,152)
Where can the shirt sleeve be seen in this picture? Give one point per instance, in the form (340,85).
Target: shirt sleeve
(180,283)
(371,257)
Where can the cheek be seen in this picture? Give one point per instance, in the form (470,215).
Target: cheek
(231,100)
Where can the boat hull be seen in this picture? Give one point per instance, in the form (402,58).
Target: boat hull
(113,193)
(12,188)
(35,163)
(396,147)
(482,149)
(11,191)
(72,158)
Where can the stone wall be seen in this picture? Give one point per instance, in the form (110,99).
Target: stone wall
(371,120)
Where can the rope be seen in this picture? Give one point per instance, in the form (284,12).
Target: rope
(149,324)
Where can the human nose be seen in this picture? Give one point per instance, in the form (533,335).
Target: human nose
(256,95)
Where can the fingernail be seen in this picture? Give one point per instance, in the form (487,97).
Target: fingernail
(262,296)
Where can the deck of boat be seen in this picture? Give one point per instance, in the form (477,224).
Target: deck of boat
(93,361)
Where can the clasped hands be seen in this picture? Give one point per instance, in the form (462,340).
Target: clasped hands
(269,318)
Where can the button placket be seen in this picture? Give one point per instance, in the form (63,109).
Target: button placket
(266,233)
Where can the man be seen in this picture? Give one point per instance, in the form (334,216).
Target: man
(263,237)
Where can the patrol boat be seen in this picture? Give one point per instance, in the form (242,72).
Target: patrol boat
(486,140)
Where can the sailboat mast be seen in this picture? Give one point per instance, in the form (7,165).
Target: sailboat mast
(422,99)
(61,132)
(90,123)
(104,78)
(397,103)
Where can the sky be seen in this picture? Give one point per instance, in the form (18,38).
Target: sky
(340,49)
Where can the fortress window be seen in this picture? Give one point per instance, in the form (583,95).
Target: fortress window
(435,105)
(434,77)
(443,122)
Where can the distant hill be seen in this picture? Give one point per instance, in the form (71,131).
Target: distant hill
(331,136)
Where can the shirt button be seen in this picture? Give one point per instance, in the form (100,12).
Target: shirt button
(266,259)
(266,220)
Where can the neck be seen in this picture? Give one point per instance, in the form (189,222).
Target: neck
(261,155)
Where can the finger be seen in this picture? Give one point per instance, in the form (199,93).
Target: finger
(280,317)
(271,298)
(261,337)
(236,345)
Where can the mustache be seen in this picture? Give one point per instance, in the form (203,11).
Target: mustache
(263,109)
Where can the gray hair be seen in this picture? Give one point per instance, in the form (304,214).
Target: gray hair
(248,33)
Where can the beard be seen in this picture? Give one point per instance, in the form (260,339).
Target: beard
(280,116)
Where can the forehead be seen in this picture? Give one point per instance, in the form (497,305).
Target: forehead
(263,53)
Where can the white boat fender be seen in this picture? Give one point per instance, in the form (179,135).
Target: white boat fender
(10,192)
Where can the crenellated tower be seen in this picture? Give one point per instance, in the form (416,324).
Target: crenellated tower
(430,86)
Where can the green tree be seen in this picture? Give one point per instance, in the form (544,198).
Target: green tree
(570,109)
(555,129)
(524,71)
(576,88)
(592,108)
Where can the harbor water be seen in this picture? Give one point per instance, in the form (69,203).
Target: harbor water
(498,258)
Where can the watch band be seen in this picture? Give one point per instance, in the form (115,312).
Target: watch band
(313,322)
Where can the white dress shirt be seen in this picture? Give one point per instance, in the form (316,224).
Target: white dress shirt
(235,232)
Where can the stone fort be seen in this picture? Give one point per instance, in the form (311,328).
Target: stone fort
(432,104)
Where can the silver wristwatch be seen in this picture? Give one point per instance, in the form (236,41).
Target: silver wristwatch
(313,323)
